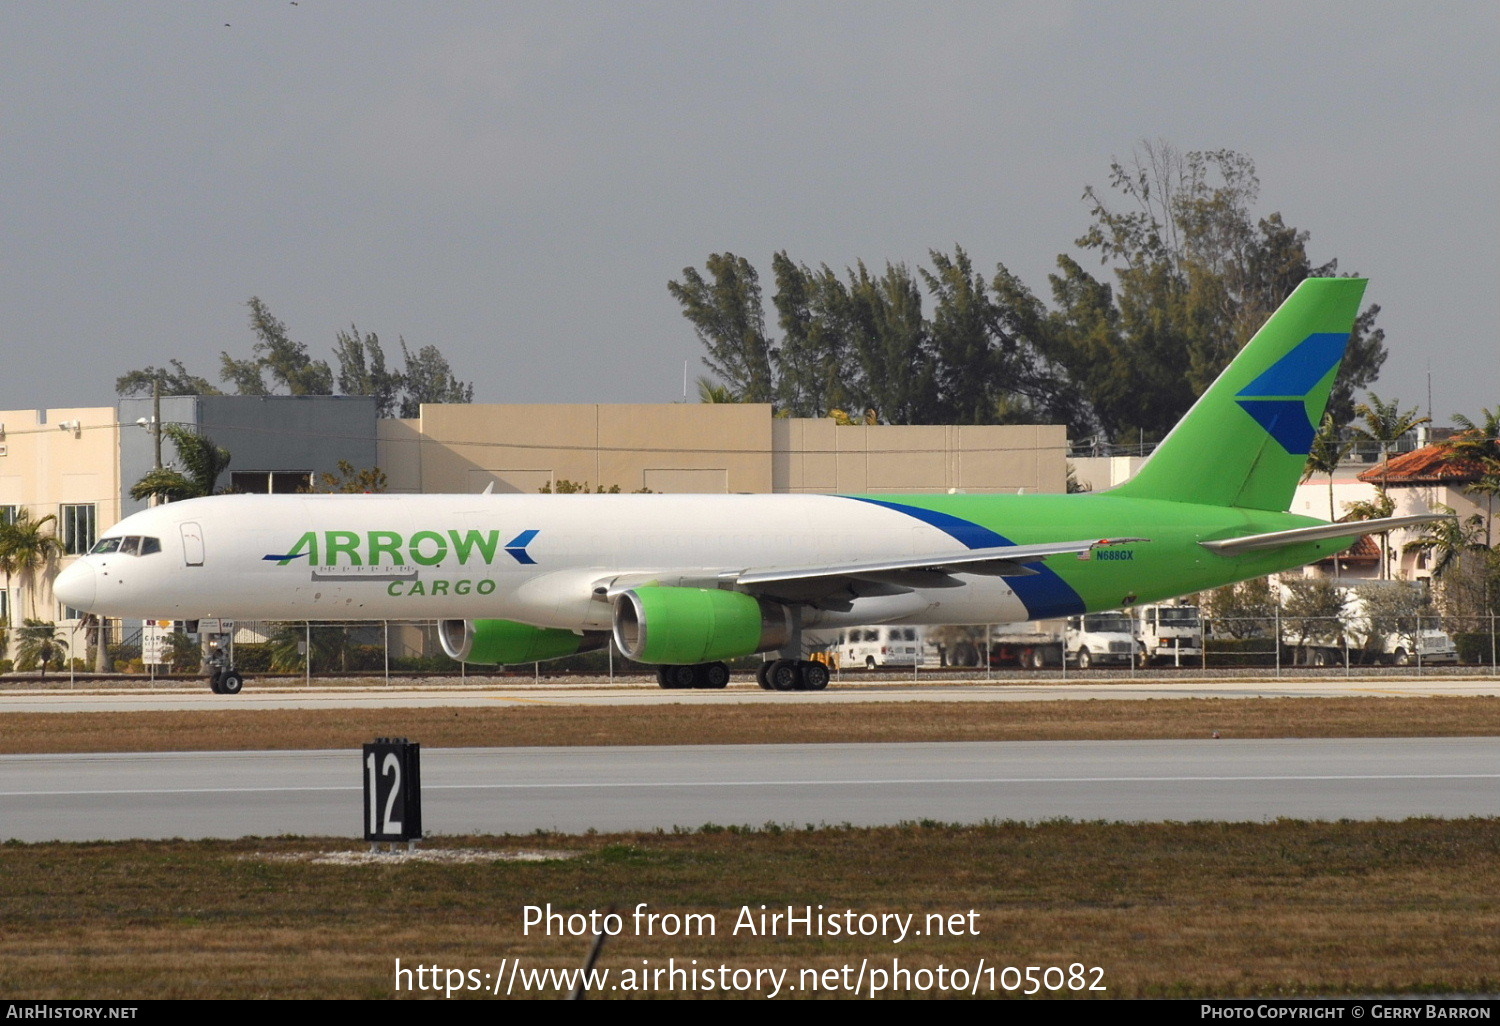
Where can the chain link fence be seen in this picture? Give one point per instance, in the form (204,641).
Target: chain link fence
(1275,644)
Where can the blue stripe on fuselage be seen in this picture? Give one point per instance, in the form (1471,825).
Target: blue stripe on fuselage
(1044,594)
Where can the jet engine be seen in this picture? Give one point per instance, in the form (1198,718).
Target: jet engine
(682,626)
(505,641)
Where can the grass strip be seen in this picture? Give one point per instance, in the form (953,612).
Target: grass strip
(532,725)
(1166,910)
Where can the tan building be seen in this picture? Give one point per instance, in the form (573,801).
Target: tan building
(62,463)
(707,447)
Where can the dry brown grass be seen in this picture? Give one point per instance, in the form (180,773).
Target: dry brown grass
(1167,910)
(751,724)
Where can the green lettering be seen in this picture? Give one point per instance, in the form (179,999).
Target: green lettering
(461,587)
(307,544)
(417,589)
(336,543)
(485,586)
(385,543)
(438,553)
(440,587)
(393,589)
(485,542)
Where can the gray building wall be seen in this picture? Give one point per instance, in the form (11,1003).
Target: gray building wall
(262,433)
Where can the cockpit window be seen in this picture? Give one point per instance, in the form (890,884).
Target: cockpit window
(131,545)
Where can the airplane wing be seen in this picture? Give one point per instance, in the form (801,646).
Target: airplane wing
(1348,529)
(895,576)
(836,584)
(1000,561)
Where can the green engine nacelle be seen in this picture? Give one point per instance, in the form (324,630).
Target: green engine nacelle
(680,626)
(505,641)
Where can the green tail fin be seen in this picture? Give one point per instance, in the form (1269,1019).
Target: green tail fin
(1245,441)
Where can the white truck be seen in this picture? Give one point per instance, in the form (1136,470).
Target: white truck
(1094,639)
(1171,635)
(1380,622)
(1097,639)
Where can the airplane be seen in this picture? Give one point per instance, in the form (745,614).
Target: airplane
(686,582)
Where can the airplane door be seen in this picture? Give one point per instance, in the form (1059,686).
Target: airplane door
(192,544)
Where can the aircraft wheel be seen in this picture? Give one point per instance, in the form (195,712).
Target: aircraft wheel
(1085,658)
(213,684)
(1319,657)
(869,663)
(814,676)
(1402,658)
(784,675)
(231,683)
(762,677)
(715,675)
(676,678)
(1036,659)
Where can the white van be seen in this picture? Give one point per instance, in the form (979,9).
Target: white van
(874,647)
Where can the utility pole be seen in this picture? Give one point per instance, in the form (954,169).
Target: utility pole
(156,417)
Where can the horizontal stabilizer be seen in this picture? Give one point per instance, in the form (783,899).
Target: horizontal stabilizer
(1297,535)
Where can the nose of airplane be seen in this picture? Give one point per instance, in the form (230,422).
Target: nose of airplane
(77,585)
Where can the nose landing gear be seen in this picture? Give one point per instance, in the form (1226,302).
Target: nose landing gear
(226,682)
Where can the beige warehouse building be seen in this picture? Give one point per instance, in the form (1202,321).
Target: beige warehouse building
(62,463)
(707,448)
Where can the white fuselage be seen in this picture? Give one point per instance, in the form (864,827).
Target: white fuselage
(547,560)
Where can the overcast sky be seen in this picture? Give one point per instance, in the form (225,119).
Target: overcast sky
(516,183)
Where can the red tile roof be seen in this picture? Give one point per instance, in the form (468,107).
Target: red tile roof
(1431,464)
(1366,550)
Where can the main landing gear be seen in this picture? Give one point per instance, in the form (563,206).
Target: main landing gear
(792,675)
(776,675)
(696,675)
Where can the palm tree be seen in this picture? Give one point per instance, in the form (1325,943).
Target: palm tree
(710,391)
(1447,539)
(38,643)
(25,547)
(167,484)
(1386,422)
(1488,427)
(1328,450)
(330,648)
(202,463)
(1489,487)
(1479,443)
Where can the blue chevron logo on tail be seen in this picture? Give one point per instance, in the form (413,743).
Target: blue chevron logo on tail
(1277,397)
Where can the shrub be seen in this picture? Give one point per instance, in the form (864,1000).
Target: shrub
(1242,652)
(1474,647)
(252,657)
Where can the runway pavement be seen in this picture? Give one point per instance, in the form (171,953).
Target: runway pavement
(518,790)
(853,688)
